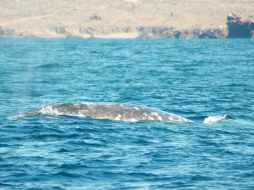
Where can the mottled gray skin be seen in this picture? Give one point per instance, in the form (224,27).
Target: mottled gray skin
(113,111)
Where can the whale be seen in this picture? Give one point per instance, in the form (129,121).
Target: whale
(106,110)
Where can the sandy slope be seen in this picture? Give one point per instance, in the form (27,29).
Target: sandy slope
(114,18)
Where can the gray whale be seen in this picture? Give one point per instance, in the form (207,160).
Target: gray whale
(105,110)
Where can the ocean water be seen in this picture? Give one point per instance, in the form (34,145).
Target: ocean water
(191,78)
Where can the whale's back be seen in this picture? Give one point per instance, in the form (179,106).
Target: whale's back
(113,111)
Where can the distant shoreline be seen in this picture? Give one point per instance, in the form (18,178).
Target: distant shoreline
(234,30)
(125,19)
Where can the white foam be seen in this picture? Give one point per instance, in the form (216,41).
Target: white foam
(118,117)
(49,110)
(213,119)
(136,108)
(15,116)
(132,120)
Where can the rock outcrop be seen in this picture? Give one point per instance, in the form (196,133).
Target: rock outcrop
(197,33)
(238,28)
(153,32)
(5,32)
(158,32)
(170,32)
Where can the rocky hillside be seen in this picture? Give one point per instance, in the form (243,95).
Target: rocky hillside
(123,18)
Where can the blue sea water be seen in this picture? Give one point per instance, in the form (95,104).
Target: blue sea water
(191,78)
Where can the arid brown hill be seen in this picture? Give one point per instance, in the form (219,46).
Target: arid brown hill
(120,18)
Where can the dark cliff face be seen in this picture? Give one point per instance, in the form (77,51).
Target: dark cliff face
(4,32)
(238,28)
(197,33)
(166,32)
